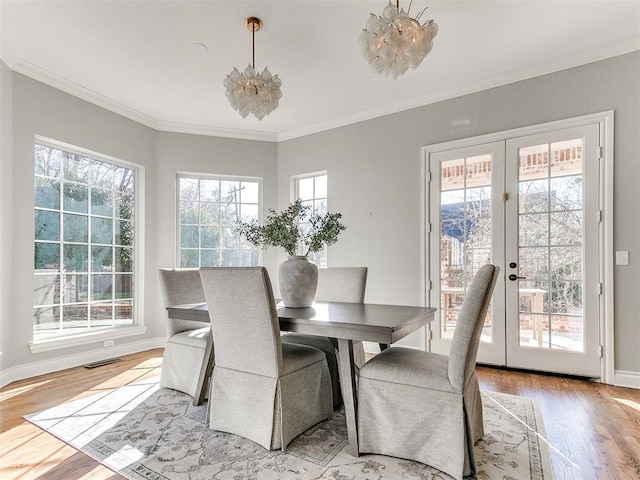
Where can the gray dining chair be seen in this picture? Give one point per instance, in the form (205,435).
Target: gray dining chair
(261,389)
(188,353)
(336,284)
(424,406)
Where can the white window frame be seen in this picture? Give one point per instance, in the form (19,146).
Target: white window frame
(206,176)
(107,333)
(295,195)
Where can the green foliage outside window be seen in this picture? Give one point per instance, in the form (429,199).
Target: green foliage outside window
(84,238)
(209,209)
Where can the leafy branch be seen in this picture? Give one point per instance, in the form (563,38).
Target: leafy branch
(296,226)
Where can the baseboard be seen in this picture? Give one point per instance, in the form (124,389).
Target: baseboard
(28,370)
(622,378)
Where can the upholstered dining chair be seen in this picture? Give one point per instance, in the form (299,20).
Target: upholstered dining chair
(261,389)
(188,353)
(336,284)
(424,406)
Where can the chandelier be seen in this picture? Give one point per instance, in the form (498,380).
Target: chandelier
(252,91)
(395,42)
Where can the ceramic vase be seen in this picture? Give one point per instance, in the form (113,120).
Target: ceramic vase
(297,279)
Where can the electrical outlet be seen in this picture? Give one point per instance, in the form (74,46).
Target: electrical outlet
(108,343)
(622,258)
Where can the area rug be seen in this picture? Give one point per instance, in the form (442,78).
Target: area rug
(145,432)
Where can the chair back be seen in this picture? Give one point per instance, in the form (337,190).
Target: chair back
(244,322)
(466,338)
(181,286)
(341,284)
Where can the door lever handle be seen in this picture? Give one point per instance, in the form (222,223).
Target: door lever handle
(513,277)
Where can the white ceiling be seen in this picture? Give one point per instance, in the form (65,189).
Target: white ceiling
(137,57)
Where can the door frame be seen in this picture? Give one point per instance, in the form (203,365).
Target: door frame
(605,234)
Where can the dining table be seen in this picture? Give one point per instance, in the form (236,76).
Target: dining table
(347,323)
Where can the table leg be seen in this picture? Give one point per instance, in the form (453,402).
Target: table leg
(348,385)
(205,373)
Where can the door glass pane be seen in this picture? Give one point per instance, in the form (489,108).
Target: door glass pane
(465,234)
(550,246)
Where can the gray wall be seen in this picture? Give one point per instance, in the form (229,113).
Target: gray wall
(6,214)
(375,176)
(180,153)
(42,110)
(375,180)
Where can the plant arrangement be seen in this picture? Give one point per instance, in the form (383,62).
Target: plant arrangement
(295,229)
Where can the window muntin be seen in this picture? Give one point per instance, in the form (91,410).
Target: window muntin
(84,243)
(312,190)
(209,209)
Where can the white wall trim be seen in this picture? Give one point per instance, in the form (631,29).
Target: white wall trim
(521,132)
(607,314)
(86,338)
(43,367)
(623,378)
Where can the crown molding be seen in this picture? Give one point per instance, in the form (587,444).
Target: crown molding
(217,131)
(535,70)
(7,55)
(30,70)
(42,75)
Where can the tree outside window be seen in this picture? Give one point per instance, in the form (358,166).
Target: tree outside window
(84,243)
(208,211)
(312,191)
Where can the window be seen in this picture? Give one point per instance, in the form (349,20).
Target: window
(312,190)
(208,212)
(84,243)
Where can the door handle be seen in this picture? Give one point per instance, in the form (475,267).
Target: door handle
(513,277)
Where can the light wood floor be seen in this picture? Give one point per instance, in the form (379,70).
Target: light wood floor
(593,429)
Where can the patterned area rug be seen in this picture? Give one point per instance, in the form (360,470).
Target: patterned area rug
(151,433)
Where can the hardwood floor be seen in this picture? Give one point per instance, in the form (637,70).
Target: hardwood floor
(26,452)
(593,429)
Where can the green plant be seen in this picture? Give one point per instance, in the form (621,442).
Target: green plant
(296,228)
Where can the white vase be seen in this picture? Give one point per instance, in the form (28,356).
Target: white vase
(298,279)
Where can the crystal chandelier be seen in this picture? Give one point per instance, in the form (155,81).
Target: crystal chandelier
(252,91)
(394,42)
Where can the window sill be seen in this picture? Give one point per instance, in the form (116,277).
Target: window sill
(85,338)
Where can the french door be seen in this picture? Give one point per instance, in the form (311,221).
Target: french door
(531,206)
